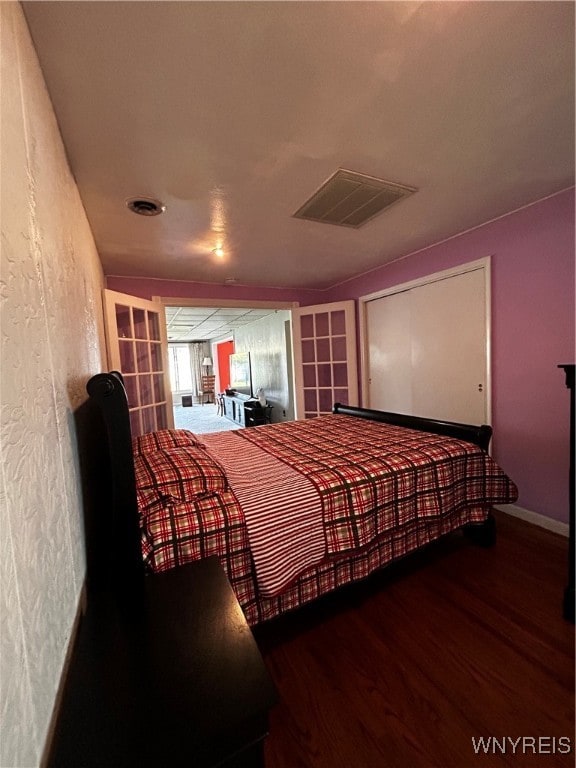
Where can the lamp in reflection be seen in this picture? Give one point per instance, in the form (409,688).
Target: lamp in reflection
(207,364)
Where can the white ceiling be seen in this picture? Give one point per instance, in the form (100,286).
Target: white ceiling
(234,113)
(205,323)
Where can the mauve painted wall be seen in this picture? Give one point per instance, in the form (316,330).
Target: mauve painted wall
(147,287)
(532,254)
(532,257)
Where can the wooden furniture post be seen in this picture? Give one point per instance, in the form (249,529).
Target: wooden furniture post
(569,592)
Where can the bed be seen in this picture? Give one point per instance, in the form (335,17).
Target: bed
(298,509)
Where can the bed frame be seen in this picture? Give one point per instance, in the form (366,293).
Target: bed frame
(480,436)
(122,555)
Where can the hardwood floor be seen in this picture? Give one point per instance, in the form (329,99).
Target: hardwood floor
(447,646)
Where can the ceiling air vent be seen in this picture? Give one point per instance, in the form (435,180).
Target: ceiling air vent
(351,199)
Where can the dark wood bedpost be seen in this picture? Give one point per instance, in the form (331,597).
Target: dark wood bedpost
(482,534)
(569,592)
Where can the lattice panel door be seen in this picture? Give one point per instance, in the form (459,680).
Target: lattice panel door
(137,347)
(325,361)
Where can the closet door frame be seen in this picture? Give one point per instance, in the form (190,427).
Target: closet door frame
(479,264)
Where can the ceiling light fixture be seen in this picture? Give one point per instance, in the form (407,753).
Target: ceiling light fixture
(145,206)
(218,251)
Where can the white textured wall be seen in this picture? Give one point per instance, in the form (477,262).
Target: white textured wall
(52,342)
(268,344)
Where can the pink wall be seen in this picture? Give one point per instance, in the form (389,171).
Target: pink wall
(147,287)
(532,332)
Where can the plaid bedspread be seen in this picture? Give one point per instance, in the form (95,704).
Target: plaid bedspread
(409,506)
(373,478)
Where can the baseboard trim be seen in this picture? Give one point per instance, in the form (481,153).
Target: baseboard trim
(533,517)
(80,611)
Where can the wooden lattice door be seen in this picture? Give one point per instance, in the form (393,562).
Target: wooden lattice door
(325,366)
(137,347)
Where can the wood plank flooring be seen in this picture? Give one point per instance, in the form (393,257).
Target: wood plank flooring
(450,645)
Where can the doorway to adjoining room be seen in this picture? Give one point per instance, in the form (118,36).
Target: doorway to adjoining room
(200,342)
(194,390)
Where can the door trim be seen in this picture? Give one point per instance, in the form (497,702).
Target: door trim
(174,301)
(470,266)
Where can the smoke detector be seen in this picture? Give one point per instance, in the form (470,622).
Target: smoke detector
(351,199)
(145,206)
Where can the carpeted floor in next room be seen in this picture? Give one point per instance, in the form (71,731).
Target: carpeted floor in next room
(201,419)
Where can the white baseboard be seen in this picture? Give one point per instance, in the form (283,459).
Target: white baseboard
(533,517)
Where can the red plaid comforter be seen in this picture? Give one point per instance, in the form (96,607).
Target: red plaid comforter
(373,478)
(381,500)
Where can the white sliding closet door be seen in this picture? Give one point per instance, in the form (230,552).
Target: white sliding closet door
(427,349)
(449,349)
(390,353)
